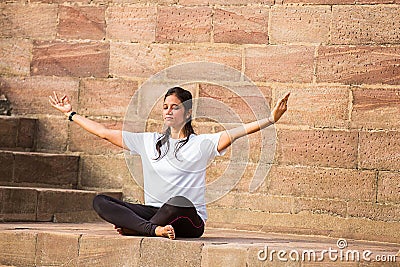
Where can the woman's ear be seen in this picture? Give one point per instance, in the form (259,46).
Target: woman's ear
(189,113)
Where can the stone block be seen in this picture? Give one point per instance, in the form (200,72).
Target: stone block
(106,97)
(6,167)
(132,23)
(288,63)
(57,249)
(184,24)
(358,64)
(26,133)
(28,21)
(224,2)
(320,206)
(376,108)
(379,150)
(300,24)
(318,148)
(15,56)
(82,22)
(389,187)
(18,90)
(374,211)
(83,141)
(17,248)
(137,60)
(18,204)
(330,105)
(78,59)
(317,182)
(8,132)
(66,206)
(52,134)
(170,252)
(224,255)
(49,169)
(356,24)
(91,254)
(241,24)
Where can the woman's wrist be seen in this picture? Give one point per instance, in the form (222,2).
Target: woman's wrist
(70,115)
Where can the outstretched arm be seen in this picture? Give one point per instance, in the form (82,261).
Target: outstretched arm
(229,136)
(63,105)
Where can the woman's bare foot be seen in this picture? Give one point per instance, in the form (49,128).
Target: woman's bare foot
(165,231)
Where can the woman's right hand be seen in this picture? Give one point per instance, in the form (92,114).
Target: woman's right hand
(61,104)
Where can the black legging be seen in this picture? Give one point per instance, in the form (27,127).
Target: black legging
(143,219)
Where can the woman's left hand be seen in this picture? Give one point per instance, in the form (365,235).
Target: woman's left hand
(280,108)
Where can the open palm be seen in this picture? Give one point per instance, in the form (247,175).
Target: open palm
(62,104)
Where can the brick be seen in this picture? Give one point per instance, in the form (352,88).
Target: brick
(137,60)
(66,206)
(83,141)
(18,204)
(287,63)
(330,105)
(79,59)
(104,172)
(18,248)
(52,134)
(296,24)
(241,25)
(34,20)
(132,23)
(216,63)
(15,56)
(388,187)
(376,108)
(18,90)
(109,97)
(358,64)
(6,167)
(321,183)
(49,169)
(320,206)
(374,211)
(91,254)
(57,249)
(223,255)
(82,22)
(184,24)
(170,253)
(318,148)
(357,24)
(379,150)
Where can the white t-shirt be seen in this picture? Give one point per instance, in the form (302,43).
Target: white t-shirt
(182,174)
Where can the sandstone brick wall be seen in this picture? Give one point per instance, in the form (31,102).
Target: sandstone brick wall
(337,163)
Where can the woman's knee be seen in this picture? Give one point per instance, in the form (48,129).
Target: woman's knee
(180,201)
(98,202)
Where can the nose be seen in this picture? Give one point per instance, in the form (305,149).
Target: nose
(169,111)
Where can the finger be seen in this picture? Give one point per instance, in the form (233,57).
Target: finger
(63,98)
(52,101)
(56,97)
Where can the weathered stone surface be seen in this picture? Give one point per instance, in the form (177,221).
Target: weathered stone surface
(184,24)
(330,105)
(17,248)
(8,132)
(241,25)
(318,148)
(389,187)
(320,206)
(224,2)
(358,64)
(296,24)
(30,21)
(18,204)
(137,60)
(321,183)
(52,133)
(57,249)
(132,23)
(6,167)
(82,22)
(357,24)
(376,108)
(170,252)
(26,133)
(15,56)
(109,97)
(77,59)
(223,255)
(19,90)
(374,211)
(379,150)
(288,63)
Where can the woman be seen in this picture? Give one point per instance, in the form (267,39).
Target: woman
(174,167)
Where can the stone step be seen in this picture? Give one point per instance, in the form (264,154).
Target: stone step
(38,169)
(48,204)
(97,244)
(17,133)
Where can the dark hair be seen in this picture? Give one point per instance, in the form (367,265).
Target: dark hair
(186,99)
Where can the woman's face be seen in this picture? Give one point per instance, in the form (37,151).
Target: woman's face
(174,114)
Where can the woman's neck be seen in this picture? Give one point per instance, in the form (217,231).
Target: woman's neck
(177,133)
